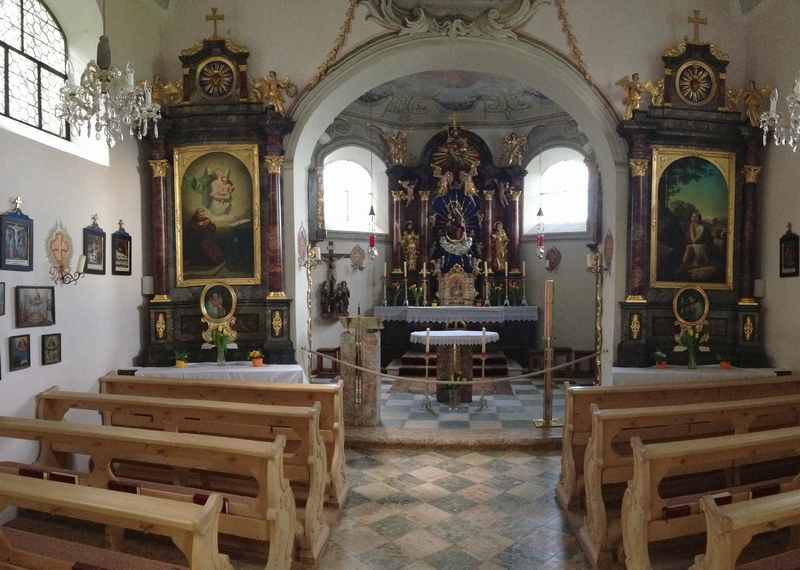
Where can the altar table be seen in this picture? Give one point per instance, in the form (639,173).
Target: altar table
(450,314)
(672,374)
(269,373)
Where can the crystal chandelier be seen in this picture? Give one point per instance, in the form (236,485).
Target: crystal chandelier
(107,101)
(783,132)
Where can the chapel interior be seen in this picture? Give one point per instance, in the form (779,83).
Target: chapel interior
(399,285)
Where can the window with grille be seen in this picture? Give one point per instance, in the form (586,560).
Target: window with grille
(558,183)
(33,65)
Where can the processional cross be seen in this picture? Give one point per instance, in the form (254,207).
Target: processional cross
(215,18)
(697,21)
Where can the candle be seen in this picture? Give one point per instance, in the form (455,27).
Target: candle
(483,340)
(486,268)
(773,102)
(506,268)
(427,340)
(424,268)
(523,269)
(405,269)
(81,263)
(385,269)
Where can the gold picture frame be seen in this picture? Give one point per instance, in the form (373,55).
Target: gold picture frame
(685,301)
(218,303)
(677,255)
(217,224)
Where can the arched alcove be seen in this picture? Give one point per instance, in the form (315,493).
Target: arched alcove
(396,56)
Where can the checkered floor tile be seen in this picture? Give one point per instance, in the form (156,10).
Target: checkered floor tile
(408,411)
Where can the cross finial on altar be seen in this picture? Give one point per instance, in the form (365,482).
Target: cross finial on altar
(94,219)
(121,225)
(17,203)
(453,121)
(697,21)
(215,18)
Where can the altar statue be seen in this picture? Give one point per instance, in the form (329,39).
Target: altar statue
(398,147)
(270,90)
(632,99)
(467,179)
(443,186)
(410,244)
(500,246)
(514,147)
(753,97)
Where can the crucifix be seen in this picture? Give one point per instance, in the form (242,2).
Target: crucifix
(17,203)
(214,18)
(697,21)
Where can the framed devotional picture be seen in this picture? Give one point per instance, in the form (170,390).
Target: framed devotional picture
(693,216)
(19,352)
(217,215)
(17,233)
(94,248)
(789,253)
(51,349)
(34,306)
(120,251)
(218,302)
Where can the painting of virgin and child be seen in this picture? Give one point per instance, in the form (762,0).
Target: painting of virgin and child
(694,226)
(218,208)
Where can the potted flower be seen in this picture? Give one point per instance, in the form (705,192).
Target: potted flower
(724,360)
(661,359)
(181,358)
(256,358)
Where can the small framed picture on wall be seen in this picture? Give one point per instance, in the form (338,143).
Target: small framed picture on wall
(51,349)
(16,232)
(34,306)
(120,251)
(94,248)
(2,298)
(789,253)
(19,352)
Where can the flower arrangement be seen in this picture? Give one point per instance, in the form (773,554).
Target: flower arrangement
(661,359)
(691,339)
(415,295)
(222,340)
(181,358)
(256,358)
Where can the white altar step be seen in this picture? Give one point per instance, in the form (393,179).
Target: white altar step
(672,374)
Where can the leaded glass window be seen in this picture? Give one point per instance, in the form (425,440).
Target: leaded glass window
(33,65)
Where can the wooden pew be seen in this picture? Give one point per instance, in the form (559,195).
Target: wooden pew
(648,517)
(732,527)
(270,516)
(304,458)
(578,417)
(608,460)
(331,421)
(193,528)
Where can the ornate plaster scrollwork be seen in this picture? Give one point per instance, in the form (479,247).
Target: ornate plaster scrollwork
(493,22)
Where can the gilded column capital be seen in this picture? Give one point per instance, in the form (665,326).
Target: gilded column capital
(638,167)
(488,194)
(515,195)
(274,163)
(751,174)
(397,195)
(424,196)
(159,168)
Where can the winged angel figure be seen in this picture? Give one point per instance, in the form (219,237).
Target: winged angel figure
(633,89)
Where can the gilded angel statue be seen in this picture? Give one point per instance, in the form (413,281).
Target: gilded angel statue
(468,180)
(632,89)
(398,147)
(408,186)
(753,97)
(445,179)
(656,90)
(270,90)
(514,147)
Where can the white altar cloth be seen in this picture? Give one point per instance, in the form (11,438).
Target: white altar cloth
(269,373)
(673,374)
(461,338)
(449,314)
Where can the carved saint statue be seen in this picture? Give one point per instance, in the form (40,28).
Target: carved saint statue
(467,179)
(410,244)
(504,193)
(632,89)
(342,299)
(270,90)
(408,186)
(398,147)
(500,246)
(443,186)
(753,97)
(514,147)
(328,296)
(656,90)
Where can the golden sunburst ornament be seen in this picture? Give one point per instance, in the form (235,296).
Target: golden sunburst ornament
(696,83)
(216,79)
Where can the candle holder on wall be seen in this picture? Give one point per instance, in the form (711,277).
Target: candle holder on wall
(59,253)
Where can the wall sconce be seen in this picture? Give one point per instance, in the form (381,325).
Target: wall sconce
(59,252)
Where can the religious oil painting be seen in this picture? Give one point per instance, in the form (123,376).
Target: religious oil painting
(51,349)
(690,305)
(16,253)
(120,253)
(693,204)
(218,302)
(34,306)
(19,352)
(94,248)
(217,222)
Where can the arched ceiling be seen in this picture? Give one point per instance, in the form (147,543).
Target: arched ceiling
(433,98)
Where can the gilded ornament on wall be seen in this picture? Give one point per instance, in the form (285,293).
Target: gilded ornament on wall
(167,92)
(514,147)
(632,90)
(272,90)
(409,242)
(636,326)
(443,185)
(407,194)
(397,145)
(754,97)
(277,323)
(499,246)
(161,326)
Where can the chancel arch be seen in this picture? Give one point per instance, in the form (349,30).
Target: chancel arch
(395,57)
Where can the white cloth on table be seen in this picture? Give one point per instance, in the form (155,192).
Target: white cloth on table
(461,338)
(672,374)
(269,373)
(449,314)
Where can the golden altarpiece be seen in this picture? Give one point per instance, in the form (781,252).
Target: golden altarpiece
(695,163)
(214,174)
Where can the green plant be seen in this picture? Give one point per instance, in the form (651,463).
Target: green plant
(255,354)
(182,355)
(660,356)
(692,339)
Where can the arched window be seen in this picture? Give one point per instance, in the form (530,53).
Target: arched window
(558,183)
(353,179)
(33,65)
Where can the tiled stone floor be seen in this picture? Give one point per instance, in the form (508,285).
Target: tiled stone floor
(406,410)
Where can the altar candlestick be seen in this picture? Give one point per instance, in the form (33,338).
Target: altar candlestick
(506,268)
(424,283)
(523,269)
(385,269)
(427,340)
(81,263)
(483,340)
(405,269)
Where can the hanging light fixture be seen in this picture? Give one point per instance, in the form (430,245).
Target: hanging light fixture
(540,234)
(783,132)
(107,100)
(372,252)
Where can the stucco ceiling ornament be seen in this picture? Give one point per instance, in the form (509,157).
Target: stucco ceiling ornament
(454,18)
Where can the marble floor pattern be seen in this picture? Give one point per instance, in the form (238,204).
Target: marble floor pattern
(426,510)
(514,411)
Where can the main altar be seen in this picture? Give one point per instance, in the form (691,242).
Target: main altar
(455,242)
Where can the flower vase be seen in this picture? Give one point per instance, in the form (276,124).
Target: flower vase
(220,356)
(692,358)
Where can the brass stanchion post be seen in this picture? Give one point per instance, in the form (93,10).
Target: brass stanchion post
(547,420)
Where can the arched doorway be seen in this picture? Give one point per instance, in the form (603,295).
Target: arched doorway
(526,60)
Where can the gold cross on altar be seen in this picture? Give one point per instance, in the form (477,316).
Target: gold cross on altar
(697,21)
(215,18)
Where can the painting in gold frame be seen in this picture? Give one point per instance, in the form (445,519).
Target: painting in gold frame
(693,218)
(217,215)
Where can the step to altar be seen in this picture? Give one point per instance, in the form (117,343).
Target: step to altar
(412,365)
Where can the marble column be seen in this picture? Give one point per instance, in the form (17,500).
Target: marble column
(397,261)
(424,226)
(749,235)
(272,250)
(639,237)
(515,231)
(158,212)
